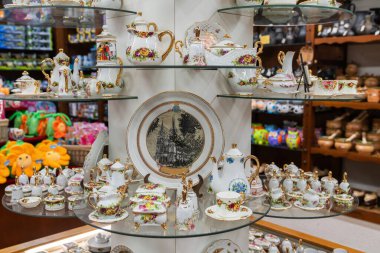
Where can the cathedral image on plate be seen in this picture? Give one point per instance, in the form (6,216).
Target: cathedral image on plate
(175,140)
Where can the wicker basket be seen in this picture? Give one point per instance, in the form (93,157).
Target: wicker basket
(4,130)
(77,153)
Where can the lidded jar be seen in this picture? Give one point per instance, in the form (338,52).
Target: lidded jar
(106,52)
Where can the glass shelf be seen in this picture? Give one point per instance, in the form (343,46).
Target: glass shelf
(301,96)
(297,213)
(289,15)
(65,16)
(204,225)
(44,97)
(38,211)
(209,67)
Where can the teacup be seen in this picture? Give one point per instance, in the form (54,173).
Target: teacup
(310,198)
(228,202)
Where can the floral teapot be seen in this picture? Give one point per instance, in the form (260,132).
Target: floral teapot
(146,45)
(27,84)
(60,60)
(231,176)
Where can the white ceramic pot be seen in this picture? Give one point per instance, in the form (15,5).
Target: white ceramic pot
(54,202)
(28,85)
(109,79)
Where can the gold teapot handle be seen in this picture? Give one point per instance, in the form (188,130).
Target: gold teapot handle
(178,47)
(259,47)
(43,65)
(66,74)
(154,25)
(171,35)
(118,78)
(281,57)
(89,199)
(253,176)
(98,87)
(37,86)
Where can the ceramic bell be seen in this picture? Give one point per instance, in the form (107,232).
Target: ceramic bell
(286,245)
(344,186)
(65,85)
(61,59)
(274,182)
(288,183)
(103,166)
(192,196)
(47,178)
(231,176)
(35,179)
(16,191)
(23,178)
(146,46)
(28,85)
(61,179)
(184,211)
(117,174)
(329,183)
(301,183)
(315,184)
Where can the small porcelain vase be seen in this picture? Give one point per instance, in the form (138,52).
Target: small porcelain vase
(61,179)
(273,182)
(301,183)
(36,191)
(288,184)
(23,178)
(315,183)
(344,186)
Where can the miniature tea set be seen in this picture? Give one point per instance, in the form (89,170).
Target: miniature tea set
(291,186)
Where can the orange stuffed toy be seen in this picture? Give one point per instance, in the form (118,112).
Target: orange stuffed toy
(60,128)
(4,171)
(23,155)
(53,155)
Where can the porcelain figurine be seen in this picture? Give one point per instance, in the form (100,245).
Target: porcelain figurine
(23,178)
(106,52)
(195,54)
(184,212)
(61,179)
(231,176)
(284,81)
(146,44)
(329,183)
(27,84)
(315,184)
(344,186)
(60,60)
(117,174)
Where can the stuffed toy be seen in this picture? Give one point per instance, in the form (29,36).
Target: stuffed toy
(33,123)
(5,149)
(4,171)
(20,120)
(57,125)
(53,155)
(23,155)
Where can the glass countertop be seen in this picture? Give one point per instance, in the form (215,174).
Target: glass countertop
(49,97)
(203,226)
(38,211)
(65,16)
(289,15)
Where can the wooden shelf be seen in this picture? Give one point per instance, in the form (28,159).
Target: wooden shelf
(352,105)
(347,39)
(351,155)
(276,147)
(367,214)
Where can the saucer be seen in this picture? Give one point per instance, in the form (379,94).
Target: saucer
(262,194)
(306,208)
(283,206)
(94,216)
(213,212)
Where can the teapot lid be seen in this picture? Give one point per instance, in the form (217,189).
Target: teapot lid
(105,34)
(105,161)
(234,151)
(61,56)
(226,43)
(63,67)
(117,165)
(25,78)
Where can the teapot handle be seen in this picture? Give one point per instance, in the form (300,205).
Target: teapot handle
(171,35)
(43,66)
(66,74)
(259,47)
(178,47)
(154,25)
(118,78)
(89,199)
(37,85)
(281,57)
(253,176)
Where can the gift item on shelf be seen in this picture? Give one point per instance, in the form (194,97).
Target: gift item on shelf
(26,85)
(83,133)
(84,111)
(281,35)
(21,61)
(83,35)
(277,107)
(25,37)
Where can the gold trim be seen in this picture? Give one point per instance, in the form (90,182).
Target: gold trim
(43,65)
(178,45)
(118,78)
(172,39)
(174,93)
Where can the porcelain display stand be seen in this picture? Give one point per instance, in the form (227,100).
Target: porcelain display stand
(185,245)
(234,114)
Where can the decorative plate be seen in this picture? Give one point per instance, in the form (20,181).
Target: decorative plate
(223,246)
(306,208)
(111,219)
(211,33)
(213,212)
(121,249)
(174,133)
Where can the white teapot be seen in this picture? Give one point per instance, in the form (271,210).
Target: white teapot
(65,85)
(109,79)
(146,45)
(231,176)
(27,84)
(61,59)
(117,174)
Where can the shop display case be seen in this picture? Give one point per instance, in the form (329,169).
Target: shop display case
(171,118)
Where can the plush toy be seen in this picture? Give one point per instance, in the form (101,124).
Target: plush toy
(274,138)
(293,139)
(53,155)
(33,122)
(20,119)
(261,136)
(5,149)
(4,171)
(57,125)
(23,155)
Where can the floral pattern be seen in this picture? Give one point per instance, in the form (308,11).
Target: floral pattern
(149,206)
(238,186)
(328,85)
(147,218)
(230,160)
(143,34)
(232,207)
(142,54)
(244,60)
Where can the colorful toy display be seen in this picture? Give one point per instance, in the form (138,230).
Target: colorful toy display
(277,107)
(290,135)
(53,155)
(83,133)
